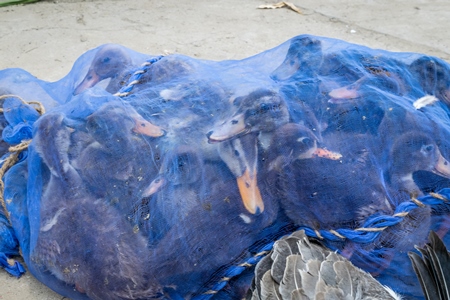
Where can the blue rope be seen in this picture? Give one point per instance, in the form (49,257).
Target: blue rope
(234,271)
(136,77)
(368,233)
(11,266)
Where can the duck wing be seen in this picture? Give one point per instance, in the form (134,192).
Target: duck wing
(299,268)
(433,268)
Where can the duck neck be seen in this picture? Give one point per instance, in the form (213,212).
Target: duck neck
(265,139)
(405,182)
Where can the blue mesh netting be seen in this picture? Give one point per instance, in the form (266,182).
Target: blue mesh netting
(170,177)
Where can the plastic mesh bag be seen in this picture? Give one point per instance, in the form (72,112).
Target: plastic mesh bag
(170,177)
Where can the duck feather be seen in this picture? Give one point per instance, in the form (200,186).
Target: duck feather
(270,289)
(311,271)
(432,268)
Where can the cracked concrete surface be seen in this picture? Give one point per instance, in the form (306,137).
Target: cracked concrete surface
(45,38)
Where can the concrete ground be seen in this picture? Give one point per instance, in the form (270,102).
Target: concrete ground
(46,37)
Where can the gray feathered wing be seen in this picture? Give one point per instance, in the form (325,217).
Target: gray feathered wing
(299,268)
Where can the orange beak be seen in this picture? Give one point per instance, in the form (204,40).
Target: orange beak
(442,167)
(324,153)
(230,128)
(344,93)
(89,81)
(145,127)
(250,194)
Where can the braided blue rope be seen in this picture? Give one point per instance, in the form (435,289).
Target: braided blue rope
(368,233)
(374,225)
(136,77)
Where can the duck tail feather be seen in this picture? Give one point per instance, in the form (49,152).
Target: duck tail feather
(423,273)
(440,259)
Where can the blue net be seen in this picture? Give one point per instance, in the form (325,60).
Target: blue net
(138,176)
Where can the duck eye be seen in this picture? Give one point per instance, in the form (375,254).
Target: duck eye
(306,141)
(236,153)
(181,162)
(427,148)
(177,168)
(106,60)
(264,107)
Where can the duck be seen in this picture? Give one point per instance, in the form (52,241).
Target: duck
(212,229)
(304,182)
(299,266)
(242,135)
(432,76)
(411,152)
(100,256)
(183,169)
(381,191)
(122,158)
(170,68)
(178,188)
(110,62)
(340,66)
(360,107)
(302,60)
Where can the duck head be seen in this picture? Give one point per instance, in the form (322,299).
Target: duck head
(260,111)
(109,62)
(113,124)
(413,152)
(183,166)
(52,140)
(432,74)
(241,157)
(304,55)
(295,141)
(291,142)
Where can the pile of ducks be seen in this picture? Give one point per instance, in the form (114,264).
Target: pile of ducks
(150,195)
